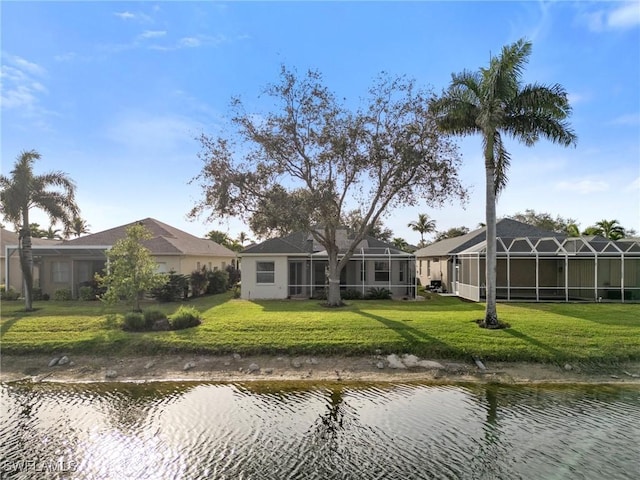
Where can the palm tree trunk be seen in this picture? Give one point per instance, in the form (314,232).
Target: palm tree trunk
(491,315)
(26,263)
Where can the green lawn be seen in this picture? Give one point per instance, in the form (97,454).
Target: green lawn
(441,327)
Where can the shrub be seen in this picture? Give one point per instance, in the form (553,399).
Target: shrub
(37,293)
(378,293)
(87,293)
(234,274)
(198,280)
(218,281)
(46,297)
(151,315)
(174,288)
(10,294)
(351,294)
(134,322)
(62,295)
(237,290)
(185,317)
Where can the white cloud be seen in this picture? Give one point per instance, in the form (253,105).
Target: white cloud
(189,42)
(65,57)
(583,187)
(626,16)
(152,34)
(623,17)
(125,15)
(20,88)
(632,119)
(633,186)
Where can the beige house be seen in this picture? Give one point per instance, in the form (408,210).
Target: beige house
(8,238)
(70,264)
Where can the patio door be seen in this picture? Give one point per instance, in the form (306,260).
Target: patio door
(296,280)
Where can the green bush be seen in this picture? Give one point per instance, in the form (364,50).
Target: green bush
(199,282)
(237,290)
(218,282)
(151,315)
(87,293)
(62,295)
(37,293)
(134,322)
(10,294)
(185,317)
(351,294)
(378,293)
(174,288)
(234,274)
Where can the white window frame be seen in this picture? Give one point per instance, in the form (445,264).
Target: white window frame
(58,274)
(385,270)
(265,273)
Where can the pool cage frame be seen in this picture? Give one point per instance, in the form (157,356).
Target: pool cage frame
(552,269)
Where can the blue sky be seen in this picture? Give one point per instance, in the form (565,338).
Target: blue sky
(114,93)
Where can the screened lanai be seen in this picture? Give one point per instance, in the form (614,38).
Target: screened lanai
(551,268)
(368,267)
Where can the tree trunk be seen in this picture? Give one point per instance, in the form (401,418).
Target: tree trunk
(333,295)
(491,315)
(26,264)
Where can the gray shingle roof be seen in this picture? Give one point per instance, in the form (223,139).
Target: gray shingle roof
(166,240)
(505,228)
(303,243)
(9,238)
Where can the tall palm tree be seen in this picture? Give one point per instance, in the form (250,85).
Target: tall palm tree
(400,243)
(242,237)
(52,192)
(423,225)
(52,233)
(610,229)
(493,102)
(78,227)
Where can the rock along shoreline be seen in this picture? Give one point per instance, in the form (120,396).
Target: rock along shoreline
(237,368)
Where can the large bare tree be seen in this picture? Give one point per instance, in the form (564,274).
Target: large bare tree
(311,159)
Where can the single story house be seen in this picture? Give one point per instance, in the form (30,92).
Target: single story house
(71,263)
(295,266)
(534,265)
(8,238)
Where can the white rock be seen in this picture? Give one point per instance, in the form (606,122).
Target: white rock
(296,364)
(110,374)
(54,361)
(237,356)
(394,362)
(189,366)
(148,365)
(430,364)
(378,351)
(268,371)
(568,367)
(312,361)
(63,361)
(410,361)
(226,364)
(253,368)
(380,365)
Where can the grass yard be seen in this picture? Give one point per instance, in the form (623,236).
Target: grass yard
(440,327)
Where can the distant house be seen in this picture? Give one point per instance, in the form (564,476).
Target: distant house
(534,264)
(295,266)
(8,238)
(69,264)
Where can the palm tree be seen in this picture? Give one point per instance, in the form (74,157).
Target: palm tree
(243,237)
(610,229)
(572,230)
(78,227)
(400,243)
(493,102)
(52,192)
(52,233)
(423,225)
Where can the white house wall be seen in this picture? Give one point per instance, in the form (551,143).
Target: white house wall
(251,290)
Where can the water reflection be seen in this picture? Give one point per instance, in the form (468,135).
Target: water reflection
(323,431)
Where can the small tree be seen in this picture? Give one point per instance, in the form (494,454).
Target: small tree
(131,270)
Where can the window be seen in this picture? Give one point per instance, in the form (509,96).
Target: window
(403,268)
(161,267)
(381,271)
(209,266)
(224,265)
(265,272)
(60,272)
(428,268)
(198,266)
(363,271)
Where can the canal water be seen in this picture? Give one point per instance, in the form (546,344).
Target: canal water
(318,431)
